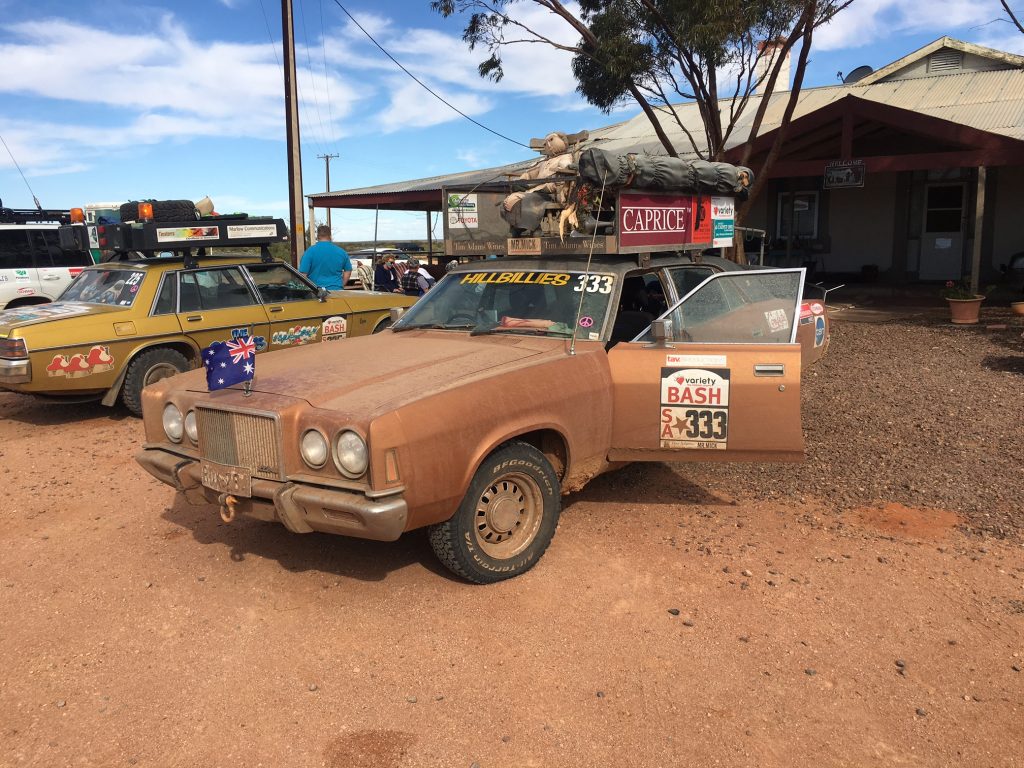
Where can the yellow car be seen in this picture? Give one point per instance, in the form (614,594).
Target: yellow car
(123,325)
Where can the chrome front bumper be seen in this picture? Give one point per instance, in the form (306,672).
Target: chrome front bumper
(15,371)
(300,507)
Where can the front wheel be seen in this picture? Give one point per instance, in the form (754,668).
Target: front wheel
(147,368)
(506,520)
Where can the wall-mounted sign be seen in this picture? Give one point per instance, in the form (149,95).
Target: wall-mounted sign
(840,174)
(723,222)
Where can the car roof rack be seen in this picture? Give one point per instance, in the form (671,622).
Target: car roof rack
(191,240)
(34,215)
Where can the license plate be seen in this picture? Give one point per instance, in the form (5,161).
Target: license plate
(233,480)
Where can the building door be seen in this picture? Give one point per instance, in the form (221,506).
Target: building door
(942,240)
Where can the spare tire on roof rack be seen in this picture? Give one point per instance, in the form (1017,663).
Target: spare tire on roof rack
(163,210)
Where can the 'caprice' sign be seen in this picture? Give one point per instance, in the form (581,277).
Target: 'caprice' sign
(657,221)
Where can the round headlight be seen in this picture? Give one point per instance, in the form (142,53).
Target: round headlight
(313,448)
(350,453)
(190,427)
(172,423)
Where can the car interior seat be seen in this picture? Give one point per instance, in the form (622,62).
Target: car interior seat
(633,315)
(189,301)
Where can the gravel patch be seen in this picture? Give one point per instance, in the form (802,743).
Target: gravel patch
(915,411)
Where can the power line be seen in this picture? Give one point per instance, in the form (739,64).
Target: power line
(327,79)
(424,85)
(34,198)
(309,64)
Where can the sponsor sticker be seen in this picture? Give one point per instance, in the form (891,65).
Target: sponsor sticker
(21,276)
(696,361)
(26,291)
(334,328)
(173,234)
(462,211)
(97,360)
(241,231)
(694,408)
(819,330)
(817,309)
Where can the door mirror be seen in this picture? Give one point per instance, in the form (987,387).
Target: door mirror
(397,313)
(661,330)
(322,293)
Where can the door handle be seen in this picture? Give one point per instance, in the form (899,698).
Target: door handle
(194,318)
(275,309)
(769,369)
(51,277)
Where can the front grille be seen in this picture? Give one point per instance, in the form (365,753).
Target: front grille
(239,440)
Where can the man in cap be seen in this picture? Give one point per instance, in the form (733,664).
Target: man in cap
(414,283)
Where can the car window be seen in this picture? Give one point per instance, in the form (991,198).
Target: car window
(737,307)
(105,286)
(167,298)
(689,277)
(545,302)
(277,283)
(14,249)
(48,253)
(217,288)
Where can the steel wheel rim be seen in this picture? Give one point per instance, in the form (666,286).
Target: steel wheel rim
(507,516)
(158,372)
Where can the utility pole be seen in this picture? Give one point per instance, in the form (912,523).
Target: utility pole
(327,167)
(291,108)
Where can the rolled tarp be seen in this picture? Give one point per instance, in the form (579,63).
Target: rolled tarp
(663,173)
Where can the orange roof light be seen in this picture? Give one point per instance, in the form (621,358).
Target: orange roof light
(145,211)
(77,216)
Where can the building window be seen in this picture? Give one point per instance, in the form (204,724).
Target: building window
(801,214)
(944,208)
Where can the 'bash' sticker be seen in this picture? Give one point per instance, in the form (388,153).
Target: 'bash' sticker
(334,328)
(695,408)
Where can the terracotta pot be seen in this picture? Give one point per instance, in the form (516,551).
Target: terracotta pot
(965,311)
(1017,307)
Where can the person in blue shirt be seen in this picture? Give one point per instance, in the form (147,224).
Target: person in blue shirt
(325,263)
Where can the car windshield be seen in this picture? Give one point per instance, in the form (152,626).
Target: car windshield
(105,286)
(528,302)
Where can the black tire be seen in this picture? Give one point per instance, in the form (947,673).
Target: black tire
(163,210)
(506,520)
(383,325)
(149,367)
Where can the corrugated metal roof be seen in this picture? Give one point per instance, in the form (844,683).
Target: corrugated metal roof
(990,101)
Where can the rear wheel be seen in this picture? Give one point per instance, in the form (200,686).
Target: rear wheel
(506,520)
(148,368)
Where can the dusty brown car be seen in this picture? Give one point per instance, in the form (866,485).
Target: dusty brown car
(513,382)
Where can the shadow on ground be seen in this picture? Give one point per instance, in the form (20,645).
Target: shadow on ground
(341,556)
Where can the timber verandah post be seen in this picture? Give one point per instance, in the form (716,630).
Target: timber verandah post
(979,218)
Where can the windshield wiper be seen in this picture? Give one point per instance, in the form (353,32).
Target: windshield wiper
(439,326)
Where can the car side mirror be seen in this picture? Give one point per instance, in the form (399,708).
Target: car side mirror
(397,313)
(322,293)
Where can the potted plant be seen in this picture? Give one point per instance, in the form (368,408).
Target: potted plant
(964,304)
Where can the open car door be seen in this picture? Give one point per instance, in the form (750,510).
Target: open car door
(725,383)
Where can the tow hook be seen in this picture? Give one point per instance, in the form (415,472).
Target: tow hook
(227,507)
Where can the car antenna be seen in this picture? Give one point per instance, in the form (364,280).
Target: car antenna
(590,256)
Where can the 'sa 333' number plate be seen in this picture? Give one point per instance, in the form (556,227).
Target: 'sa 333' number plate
(234,480)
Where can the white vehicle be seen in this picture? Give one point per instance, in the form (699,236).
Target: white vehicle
(367,258)
(36,262)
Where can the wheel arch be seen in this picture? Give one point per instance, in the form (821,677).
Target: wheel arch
(28,301)
(548,440)
(186,348)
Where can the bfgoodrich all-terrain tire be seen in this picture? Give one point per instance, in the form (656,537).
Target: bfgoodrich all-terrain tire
(149,367)
(506,520)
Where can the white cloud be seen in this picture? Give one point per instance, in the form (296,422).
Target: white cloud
(865,22)
(411,106)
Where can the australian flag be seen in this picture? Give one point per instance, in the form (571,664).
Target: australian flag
(230,362)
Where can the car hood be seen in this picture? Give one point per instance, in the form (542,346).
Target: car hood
(21,317)
(368,375)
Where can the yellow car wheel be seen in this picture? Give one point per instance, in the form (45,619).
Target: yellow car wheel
(148,368)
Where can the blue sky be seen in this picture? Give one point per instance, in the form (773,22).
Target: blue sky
(183,98)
